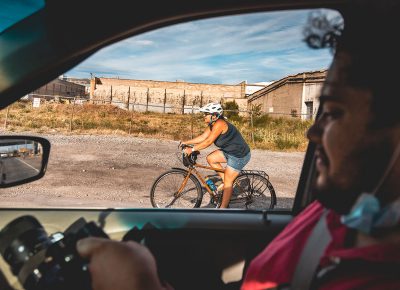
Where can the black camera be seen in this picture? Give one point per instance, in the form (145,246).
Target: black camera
(43,262)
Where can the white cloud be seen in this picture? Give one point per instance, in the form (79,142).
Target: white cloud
(255,47)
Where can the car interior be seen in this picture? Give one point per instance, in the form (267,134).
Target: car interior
(194,249)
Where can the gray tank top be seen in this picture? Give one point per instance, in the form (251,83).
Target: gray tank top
(232,142)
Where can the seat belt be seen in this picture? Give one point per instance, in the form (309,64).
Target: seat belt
(314,248)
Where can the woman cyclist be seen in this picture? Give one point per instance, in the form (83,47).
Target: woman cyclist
(233,149)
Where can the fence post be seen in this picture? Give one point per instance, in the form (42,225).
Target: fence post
(72,116)
(165,99)
(111,96)
(183,102)
(201,99)
(129,97)
(252,127)
(6,119)
(147,99)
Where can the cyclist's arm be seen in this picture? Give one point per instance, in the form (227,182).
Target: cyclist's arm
(217,129)
(200,138)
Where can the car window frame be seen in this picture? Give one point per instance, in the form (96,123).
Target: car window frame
(59,58)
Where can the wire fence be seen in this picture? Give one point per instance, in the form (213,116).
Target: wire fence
(247,120)
(165,107)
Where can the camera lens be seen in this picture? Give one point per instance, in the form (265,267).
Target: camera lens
(21,239)
(47,262)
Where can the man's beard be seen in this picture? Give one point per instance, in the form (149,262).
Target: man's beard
(368,165)
(333,197)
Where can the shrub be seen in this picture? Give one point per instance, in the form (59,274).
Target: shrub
(262,121)
(231,109)
(256,110)
(283,143)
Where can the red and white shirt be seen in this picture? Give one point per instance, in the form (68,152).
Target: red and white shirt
(275,265)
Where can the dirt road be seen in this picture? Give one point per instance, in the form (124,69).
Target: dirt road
(117,171)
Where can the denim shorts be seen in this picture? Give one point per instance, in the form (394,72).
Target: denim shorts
(236,163)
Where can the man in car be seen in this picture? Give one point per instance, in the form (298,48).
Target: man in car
(357,188)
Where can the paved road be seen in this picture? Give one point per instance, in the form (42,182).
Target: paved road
(15,168)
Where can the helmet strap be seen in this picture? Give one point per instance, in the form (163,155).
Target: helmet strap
(211,119)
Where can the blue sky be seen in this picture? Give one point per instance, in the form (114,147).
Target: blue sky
(257,47)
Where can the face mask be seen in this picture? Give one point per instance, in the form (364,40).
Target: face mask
(367,213)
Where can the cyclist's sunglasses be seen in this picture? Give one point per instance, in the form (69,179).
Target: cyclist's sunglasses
(208,114)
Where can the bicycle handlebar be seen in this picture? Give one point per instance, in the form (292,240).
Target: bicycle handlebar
(183,146)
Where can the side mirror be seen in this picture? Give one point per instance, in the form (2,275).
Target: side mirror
(22,159)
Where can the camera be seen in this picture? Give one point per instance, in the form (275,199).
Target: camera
(47,262)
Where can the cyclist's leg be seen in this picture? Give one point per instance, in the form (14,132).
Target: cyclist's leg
(232,170)
(215,159)
(230,176)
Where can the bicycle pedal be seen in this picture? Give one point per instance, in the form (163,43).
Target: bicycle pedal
(217,199)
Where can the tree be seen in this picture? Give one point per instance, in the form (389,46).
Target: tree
(231,110)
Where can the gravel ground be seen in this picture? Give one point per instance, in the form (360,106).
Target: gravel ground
(118,171)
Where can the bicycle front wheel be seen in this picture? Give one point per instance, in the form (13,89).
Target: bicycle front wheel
(164,192)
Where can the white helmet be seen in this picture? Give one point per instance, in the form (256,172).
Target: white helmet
(212,108)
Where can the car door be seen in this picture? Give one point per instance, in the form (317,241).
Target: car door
(195,249)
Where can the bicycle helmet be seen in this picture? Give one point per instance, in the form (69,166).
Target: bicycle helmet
(212,108)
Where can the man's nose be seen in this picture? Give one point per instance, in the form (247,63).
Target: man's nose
(314,133)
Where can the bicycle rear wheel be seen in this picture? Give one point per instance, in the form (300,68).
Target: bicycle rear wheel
(252,190)
(164,192)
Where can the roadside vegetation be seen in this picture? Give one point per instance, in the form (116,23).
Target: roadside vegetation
(266,132)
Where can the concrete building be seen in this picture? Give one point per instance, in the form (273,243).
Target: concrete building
(59,88)
(293,96)
(252,88)
(163,96)
(79,81)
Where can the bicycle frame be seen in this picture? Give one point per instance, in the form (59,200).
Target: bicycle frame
(192,170)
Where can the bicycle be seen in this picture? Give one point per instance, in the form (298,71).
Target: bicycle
(183,188)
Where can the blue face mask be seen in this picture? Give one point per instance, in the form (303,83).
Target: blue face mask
(367,213)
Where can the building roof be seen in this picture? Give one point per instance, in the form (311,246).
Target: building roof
(118,81)
(304,77)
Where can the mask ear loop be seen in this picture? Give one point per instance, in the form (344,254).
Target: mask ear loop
(392,161)
(367,215)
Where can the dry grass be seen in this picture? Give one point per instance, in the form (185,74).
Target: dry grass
(269,133)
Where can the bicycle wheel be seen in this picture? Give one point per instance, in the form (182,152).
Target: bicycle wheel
(252,191)
(164,192)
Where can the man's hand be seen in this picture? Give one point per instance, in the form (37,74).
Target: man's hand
(119,265)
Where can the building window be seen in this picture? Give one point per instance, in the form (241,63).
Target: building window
(309,114)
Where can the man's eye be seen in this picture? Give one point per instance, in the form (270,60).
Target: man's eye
(334,114)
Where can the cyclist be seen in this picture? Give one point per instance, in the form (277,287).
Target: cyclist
(233,149)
